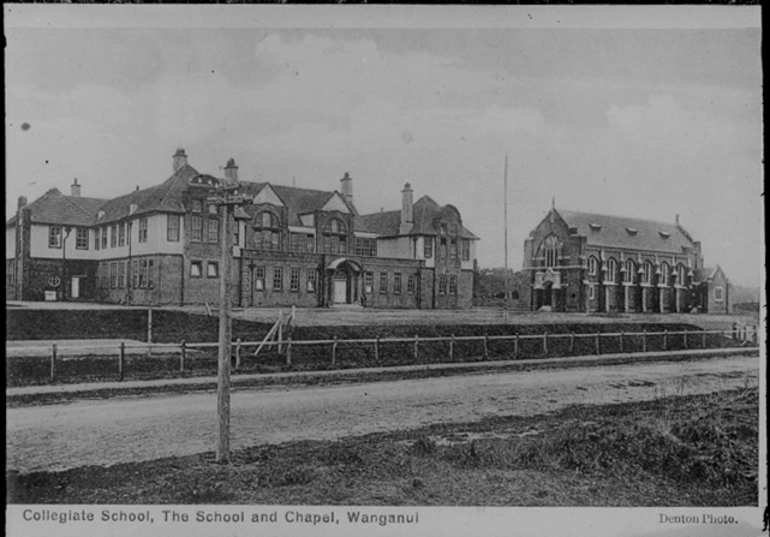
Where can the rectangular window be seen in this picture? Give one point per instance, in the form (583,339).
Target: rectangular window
(591,292)
(54,236)
(196,233)
(122,274)
(397,283)
(310,245)
(213,209)
(442,281)
(105,275)
(368,282)
(383,282)
(172,227)
(122,234)
(719,293)
(135,273)
(113,236)
(113,275)
(150,273)
(259,278)
(197,206)
(327,244)
(294,242)
(294,279)
(366,247)
(443,250)
(312,275)
(277,278)
(143,229)
(453,285)
(428,248)
(453,248)
(466,250)
(104,238)
(212,269)
(411,283)
(213,230)
(81,238)
(196,268)
(276,241)
(237,235)
(97,238)
(142,273)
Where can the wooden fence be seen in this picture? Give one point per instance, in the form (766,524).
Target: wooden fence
(414,350)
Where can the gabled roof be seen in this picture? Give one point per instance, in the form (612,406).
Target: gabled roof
(165,197)
(53,207)
(297,200)
(634,233)
(388,223)
(707,273)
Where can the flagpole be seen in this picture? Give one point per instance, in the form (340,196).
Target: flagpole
(505,218)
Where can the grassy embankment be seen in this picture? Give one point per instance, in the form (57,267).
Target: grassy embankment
(687,451)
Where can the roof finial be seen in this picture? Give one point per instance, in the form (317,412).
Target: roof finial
(677,218)
(553,203)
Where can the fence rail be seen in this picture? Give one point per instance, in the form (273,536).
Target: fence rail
(185,357)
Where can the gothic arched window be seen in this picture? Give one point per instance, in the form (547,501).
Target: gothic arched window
(612,269)
(551,251)
(664,272)
(647,274)
(593,266)
(630,270)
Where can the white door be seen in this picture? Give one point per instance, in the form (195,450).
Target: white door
(339,291)
(75,287)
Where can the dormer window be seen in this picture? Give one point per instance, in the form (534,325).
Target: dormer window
(595,227)
(664,234)
(631,231)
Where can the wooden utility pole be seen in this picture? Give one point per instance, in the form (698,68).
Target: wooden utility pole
(505,235)
(226,201)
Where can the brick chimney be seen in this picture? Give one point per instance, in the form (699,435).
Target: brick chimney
(231,170)
(180,159)
(407,219)
(347,187)
(22,202)
(75,188)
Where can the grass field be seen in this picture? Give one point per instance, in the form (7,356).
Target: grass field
(684,451)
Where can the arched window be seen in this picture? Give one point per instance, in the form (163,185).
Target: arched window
(681,275)
(664,272)
(593,266)
(612,269)
(647,275)
(335,225)
(630,270)
(551,251)
(267,231)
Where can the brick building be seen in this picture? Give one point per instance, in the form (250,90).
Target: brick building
(577,261)
(291,246)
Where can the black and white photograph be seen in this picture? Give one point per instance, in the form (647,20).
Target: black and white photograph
(384,270)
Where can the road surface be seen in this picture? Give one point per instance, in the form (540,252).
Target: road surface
(133,429)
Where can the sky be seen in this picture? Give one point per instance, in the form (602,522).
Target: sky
(646,114)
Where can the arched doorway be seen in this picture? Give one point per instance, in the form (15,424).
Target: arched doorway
(548,294)
(343,277)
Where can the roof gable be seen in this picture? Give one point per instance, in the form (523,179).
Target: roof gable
(267,195)
(53,207)
(336,203)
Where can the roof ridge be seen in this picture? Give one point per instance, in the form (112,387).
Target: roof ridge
(72,199)
(563,211)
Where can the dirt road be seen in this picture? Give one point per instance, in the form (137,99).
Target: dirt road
(133,429)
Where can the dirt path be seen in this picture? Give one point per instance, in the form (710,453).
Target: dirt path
(133,429)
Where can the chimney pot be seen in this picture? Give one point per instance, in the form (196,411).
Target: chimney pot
(179,159)
(22,202)
(75,188)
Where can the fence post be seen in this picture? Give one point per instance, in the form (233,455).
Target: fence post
(280,331)
(452,348)
(238,353)
(572,343)
(288,351)
(685,339)
(721,338)
(598,343)
(755,337)
(665,339)
(545,343)
(516,346)
(704,339)
(621,341)
(377,349)
(53,362)
(416,345)
(149,331)
(644,340)
(334,352)
(182,355)
(486,347)
(121,359)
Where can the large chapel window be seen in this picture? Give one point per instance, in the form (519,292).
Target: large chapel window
(551,246)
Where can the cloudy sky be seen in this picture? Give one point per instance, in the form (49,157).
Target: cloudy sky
(623,117)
